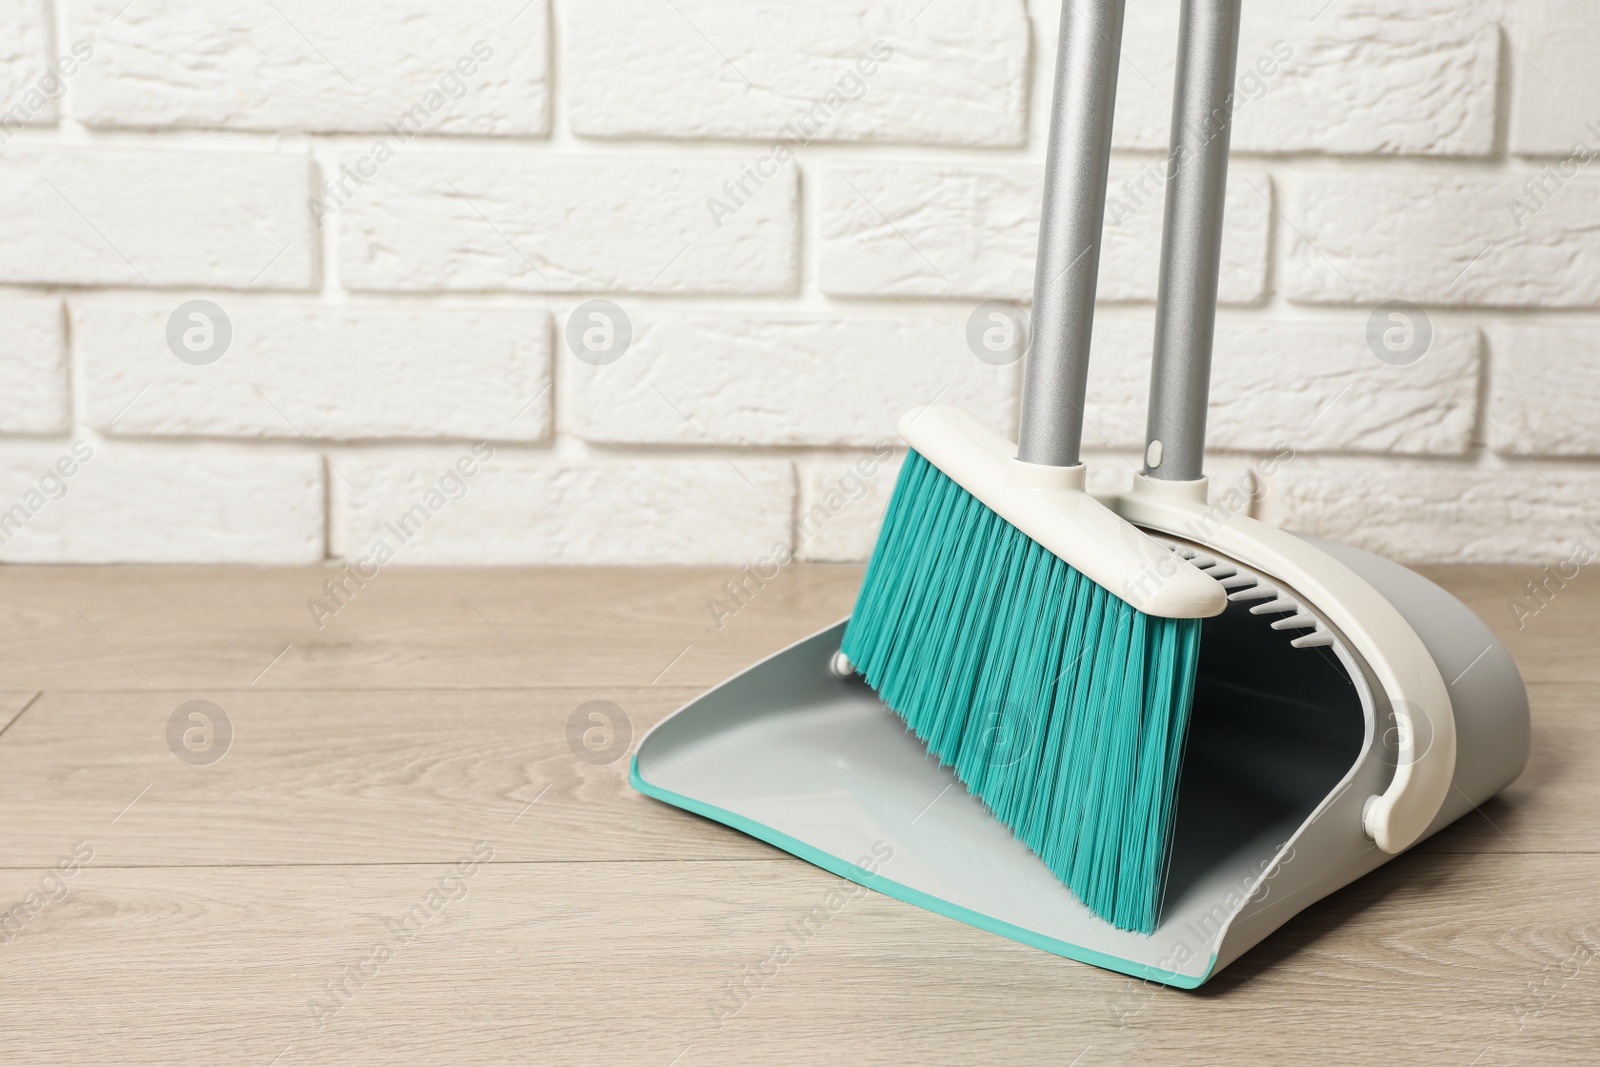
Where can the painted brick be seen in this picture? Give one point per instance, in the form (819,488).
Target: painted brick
(322,371)
(1555,102)
(156,218)
(958,231)
(743,380)
(1315,385)
(1545,390)
(559,224)
(33,367)
(159,503)
(30,86)
(1347,78)
(451,230)
(531,508)
(354,66)
(1318,387)
(955,74)
(1416,511)
(842,501)
(1443,239)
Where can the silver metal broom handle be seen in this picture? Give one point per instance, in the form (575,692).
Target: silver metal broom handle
(1191,243)
(1070,230)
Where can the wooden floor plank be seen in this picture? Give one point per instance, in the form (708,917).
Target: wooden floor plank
(1556,644)
(172,627)
(195,627)
(404,776)
(212,904)
(340,777)
(12,705)
(639,963)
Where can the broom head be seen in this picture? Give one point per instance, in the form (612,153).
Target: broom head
(1042,647)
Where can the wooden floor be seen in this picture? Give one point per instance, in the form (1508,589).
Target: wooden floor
(319,896)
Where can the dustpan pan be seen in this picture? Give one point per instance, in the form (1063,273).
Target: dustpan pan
(1345,708)
(1287,748)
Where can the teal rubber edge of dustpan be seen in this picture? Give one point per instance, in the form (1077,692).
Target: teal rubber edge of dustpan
(889,887)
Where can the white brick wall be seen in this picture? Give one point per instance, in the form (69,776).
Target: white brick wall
(1443,513)
(25,96)
(953,231)
(821,381)
(33,367)
(947,74)
(529,222)
(1448,240)
(466,67)
(1545,403)
(300,369)
(1312,384)
(841,504)
(155,217)
(1358,77)
(114,502)
(525,508)
(399,208)
(1556,95)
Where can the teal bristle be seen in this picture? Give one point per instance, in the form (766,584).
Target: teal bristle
(1059,705)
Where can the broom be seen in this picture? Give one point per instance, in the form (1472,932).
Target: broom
(1033,640)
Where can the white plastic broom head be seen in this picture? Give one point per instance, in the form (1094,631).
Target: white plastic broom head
(1050,505)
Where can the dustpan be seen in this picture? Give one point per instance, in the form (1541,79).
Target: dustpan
(1345,707)
(1287,748)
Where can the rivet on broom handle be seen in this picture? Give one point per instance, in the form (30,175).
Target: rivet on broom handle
(1191,243)
(1070,232)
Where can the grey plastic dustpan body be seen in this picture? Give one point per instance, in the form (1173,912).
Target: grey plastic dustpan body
(1285,747)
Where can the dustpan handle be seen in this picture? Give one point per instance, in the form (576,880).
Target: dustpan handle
(1070,231)
(1191,243)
